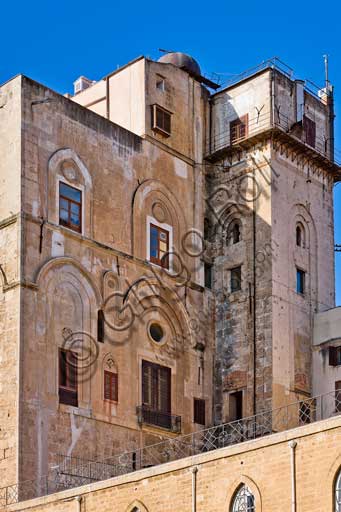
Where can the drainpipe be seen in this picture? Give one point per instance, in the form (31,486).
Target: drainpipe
(292,446)
(254,317)
(194,471)
(107,97)
(79,501)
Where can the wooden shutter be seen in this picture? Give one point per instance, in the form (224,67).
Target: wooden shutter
(164,389)
(68,378)
(332,356)
(146,383)
(156,387)
(110,386)
(310,131)
(199,411)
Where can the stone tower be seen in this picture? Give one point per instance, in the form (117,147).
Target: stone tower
(269,226)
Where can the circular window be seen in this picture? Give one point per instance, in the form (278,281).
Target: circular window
(156,332)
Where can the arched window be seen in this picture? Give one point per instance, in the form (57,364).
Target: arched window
(243,501)
(300,236)
(338,493)
(234,234)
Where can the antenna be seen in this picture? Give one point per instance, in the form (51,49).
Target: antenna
(166,51)
(326,70)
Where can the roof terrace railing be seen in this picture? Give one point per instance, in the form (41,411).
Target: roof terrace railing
(72,472)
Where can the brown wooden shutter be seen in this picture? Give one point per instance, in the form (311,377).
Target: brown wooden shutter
(310,131)
(332,356)
(164,391)
(106,385)
(199,411)
(114,387)
(146,383)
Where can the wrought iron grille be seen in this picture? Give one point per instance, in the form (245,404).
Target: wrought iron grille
(73,472)
(158,418)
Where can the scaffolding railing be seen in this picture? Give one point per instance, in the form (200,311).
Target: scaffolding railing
(70,472)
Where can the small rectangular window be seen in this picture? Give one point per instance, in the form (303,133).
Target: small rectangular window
(300,281)
(309,127)
(68,388)
(338,396)
(236,406)
(199,411)
(335,356)
(159,246)
(239,129)
(70,207)
(236,279)
(161,120)
(160,83)
(110,386)
(208,275)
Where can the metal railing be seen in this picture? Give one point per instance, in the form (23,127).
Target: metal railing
(262,123)
(158,418)
(72,471)
(272,63)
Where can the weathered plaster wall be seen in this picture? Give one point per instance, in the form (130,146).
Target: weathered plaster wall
(10,243)
(124,180)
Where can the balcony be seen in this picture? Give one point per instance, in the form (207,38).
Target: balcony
(160,419)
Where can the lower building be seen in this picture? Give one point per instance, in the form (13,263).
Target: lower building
(278,473)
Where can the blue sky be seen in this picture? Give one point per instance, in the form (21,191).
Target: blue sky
(55,42)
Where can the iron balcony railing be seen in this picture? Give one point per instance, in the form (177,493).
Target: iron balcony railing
(158,418)
(72,472)
(262,123)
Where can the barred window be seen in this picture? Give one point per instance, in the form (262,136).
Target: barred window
(338,493)
(243,501)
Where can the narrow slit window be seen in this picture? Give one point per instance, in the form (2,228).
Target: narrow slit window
(236,279)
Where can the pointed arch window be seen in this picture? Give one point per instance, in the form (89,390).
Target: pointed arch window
(244,500)
(234,234)
(338,493)
(300,235)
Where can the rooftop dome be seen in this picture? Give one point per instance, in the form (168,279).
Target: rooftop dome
(183,61)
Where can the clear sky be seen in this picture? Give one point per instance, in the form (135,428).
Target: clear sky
(55,42)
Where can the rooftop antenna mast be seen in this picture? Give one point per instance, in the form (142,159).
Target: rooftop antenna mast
(330,103)
(326,71)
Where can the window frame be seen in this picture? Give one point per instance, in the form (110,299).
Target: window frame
(155,402)
(232,270)
(337,492)
(334,355)
(155,126)
(303,274)
(68,394)
(69,225)
(199,411)
(236,124)
(243,491)
(113,378)
(164,227)
(309,128)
